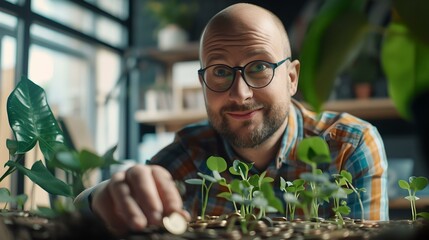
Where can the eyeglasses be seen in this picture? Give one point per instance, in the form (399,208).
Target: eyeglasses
(256,74)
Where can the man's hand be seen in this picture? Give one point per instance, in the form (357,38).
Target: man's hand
(137,198)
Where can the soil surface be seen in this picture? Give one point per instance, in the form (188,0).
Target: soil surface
(24,225)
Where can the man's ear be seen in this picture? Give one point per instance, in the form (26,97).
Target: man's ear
(294,68)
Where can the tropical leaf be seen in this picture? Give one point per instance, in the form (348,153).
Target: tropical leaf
(41,176)
(322,41)
(32,120)
(404,59)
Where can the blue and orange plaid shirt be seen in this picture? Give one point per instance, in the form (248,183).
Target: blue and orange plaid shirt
(355,146)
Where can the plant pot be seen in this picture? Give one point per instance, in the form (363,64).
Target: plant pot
(171,37)
(362,90)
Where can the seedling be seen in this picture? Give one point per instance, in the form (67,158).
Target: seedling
(313,151)
(292,191)
(340,206)
(414,185)
(322,190)
(253,192)
(217,165)
(345,179)
(250,192)
(5,197)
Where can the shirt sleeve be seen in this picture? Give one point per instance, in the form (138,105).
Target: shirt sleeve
(83,200)
(368,166)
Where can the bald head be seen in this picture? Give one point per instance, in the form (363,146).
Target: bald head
(245,18)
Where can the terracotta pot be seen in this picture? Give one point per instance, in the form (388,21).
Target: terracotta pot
(363,90)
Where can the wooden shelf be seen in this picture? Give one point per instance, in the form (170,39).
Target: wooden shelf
(402,203)
(366,109)
(189,52)
(168,117)
(375,108)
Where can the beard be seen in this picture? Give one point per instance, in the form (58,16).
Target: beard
(254,135)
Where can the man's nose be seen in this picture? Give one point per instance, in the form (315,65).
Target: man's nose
(240,90)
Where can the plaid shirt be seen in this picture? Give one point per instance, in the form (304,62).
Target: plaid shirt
(355,146)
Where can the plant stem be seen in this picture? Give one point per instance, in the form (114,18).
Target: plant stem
(10,170)
(411,204)
(203,212)
(359,199)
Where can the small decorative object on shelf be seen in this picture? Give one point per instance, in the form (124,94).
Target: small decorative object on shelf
(175,18)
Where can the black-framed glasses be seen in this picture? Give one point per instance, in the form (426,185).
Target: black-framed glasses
(256,74)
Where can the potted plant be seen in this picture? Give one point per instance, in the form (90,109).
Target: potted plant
(34,125)
(174,18)
(363,72)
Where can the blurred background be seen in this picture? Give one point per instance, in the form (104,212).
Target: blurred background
(125,72)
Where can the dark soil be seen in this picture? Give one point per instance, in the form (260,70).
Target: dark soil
(24,225)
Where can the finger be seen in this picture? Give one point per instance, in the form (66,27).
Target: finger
(102,206)
(124,204)
(167,190)
(144,190)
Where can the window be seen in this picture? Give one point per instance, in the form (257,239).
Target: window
(73,49)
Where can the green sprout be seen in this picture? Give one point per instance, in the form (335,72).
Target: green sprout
(414,185)
(340,208)
(313,151)
(292,191)
(217,165)
(5,197)
(321,189)
(345,179)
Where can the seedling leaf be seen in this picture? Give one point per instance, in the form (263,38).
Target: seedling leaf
(225,195)
(313,150)
(40,175)
(419,183)
(346,175)
(403,184)
(424,215)
(216,164)
(207,177)
(194,181)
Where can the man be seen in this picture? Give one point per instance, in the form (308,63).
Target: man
(248,77)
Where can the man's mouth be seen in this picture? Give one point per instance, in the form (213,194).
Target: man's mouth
(243,115)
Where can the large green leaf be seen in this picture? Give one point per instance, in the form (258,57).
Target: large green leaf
(89,160)
(328,45)
(31,119)
(405,63)
(41,176)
